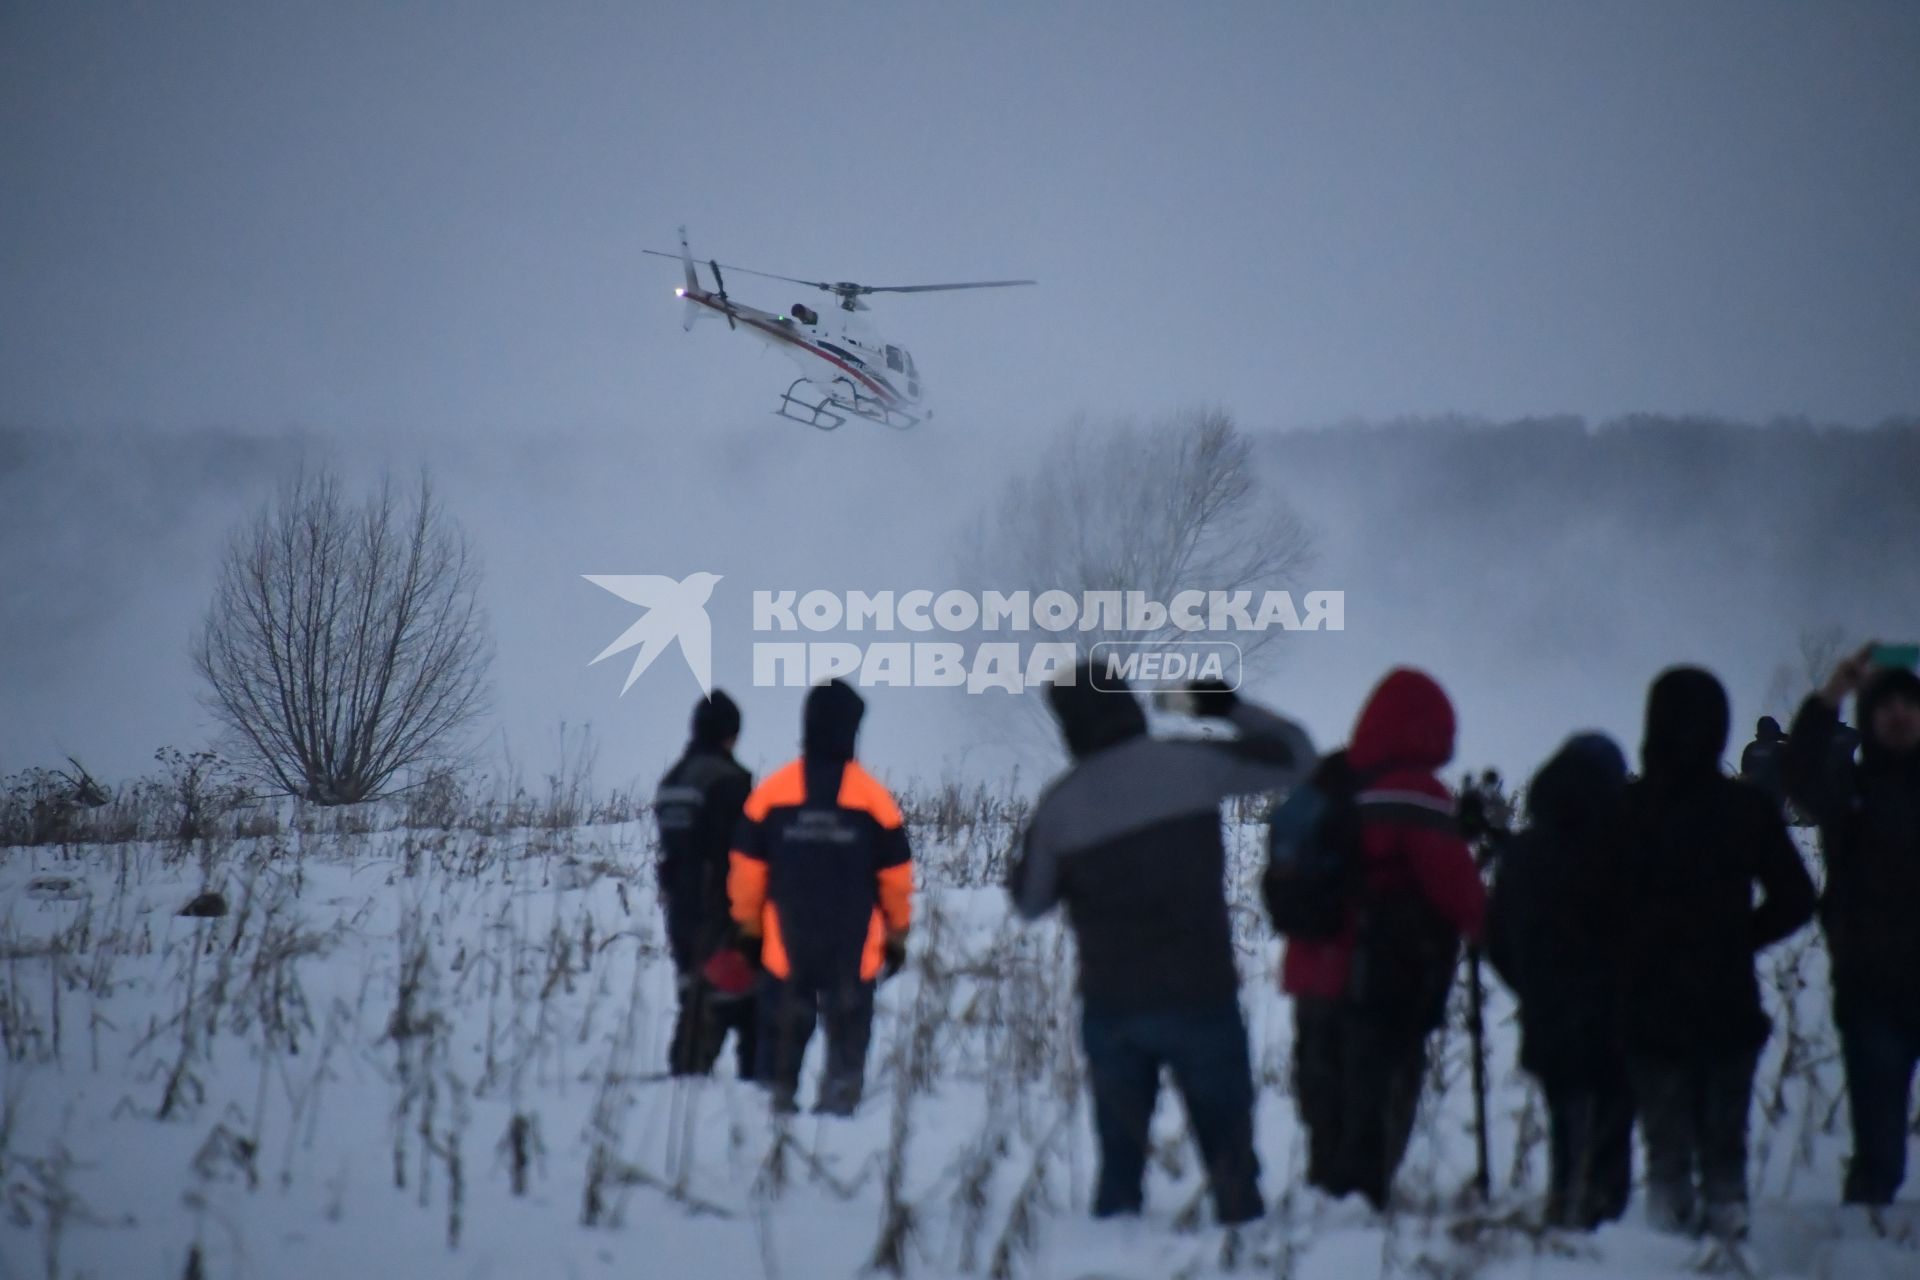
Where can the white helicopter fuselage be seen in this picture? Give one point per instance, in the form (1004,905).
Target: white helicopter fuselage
(836,352)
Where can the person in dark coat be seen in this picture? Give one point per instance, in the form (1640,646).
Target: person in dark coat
(821,887)
(1128,840)
(696,807)
(1697,843)
(1367,998)
(1553,934)
(1869,818)
(1761,763)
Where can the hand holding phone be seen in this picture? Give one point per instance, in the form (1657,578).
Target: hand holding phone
(1904,657)
(1210,699)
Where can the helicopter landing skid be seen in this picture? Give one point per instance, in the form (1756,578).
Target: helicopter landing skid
(892,418)
(818,415)
(872,409)
(829,412)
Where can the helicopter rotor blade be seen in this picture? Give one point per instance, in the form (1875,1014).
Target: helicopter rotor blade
(847,290)
(938,288)
(769,275)
(749,271)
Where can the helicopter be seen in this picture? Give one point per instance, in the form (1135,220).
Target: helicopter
(845,368)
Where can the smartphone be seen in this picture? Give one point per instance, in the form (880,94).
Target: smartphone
(1904,656)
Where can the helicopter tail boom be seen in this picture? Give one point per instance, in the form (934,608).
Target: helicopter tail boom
(692,287)
(686,261)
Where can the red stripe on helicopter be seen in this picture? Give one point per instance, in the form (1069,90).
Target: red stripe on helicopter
(885,393)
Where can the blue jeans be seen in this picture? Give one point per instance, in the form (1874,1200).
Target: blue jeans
(1206,1050)
(1879,1053)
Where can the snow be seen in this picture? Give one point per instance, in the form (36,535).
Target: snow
(342,1058)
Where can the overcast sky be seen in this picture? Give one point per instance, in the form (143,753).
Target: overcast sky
(415,230)
(378,217)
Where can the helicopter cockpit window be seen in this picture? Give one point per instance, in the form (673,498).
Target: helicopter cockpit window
(893,360)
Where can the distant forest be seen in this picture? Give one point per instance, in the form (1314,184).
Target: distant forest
(1649,537)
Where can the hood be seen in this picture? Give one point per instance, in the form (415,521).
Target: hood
(1887,683)
(1686,730)
(831,721)
(1093,719)
(1576,788)
(1407,722)
(715,719)
(1768,730)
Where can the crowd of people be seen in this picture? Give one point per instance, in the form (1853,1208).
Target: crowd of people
(1625,913)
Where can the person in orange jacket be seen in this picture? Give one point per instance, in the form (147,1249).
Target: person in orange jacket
(820,884)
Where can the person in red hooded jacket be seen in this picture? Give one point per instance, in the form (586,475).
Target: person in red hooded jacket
(1366,998)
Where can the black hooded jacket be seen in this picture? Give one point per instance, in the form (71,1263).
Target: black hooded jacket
(1554,919)
(696,807)
(1697,843)
(1869,817)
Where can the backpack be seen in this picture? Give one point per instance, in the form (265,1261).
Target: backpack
(1404,953)
(1313,853)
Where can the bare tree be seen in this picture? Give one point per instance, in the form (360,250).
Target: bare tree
(1821,648)
(345,643)
(1157,508)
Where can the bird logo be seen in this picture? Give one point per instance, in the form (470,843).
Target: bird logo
(674,611)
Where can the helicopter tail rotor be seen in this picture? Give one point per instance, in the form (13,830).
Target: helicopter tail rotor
(720,289)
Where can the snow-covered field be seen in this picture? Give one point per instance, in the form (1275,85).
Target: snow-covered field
(437,1053)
